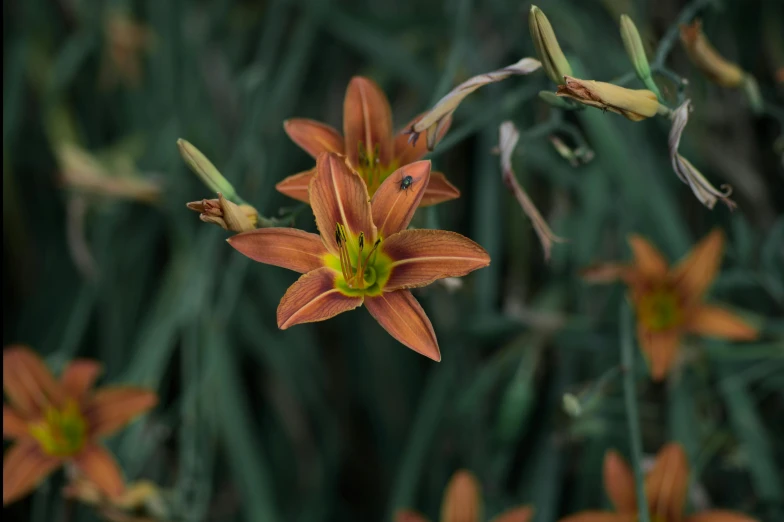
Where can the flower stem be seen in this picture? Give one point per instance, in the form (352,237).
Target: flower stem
(632,413)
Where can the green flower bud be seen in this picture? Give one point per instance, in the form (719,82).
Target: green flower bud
(633,44)
(206,171)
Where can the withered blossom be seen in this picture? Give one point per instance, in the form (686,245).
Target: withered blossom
(687,173)
(508,138)
(437,118)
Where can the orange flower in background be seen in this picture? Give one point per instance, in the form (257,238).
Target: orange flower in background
(666,486)
(368,143)
(669,301)
(463,503)
(707,59)
(364,254)
(56,422)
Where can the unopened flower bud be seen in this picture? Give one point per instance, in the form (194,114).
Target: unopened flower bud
(206,171)
(571,405)
(633,44)
(634,104)
(550,53)
(225,214)
(705,57)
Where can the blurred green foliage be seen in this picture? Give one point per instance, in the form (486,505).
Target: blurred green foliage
(336,421)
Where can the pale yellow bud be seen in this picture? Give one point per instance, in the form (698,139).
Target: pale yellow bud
(634,104)
(550,54)
(705,57)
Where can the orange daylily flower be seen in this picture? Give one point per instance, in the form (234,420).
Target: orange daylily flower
(365,254)
(669,301)
(367,142)
(53,422)
(463,503)
(666,485)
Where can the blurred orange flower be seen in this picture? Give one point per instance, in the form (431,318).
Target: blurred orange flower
(666,485)
(707,59)
(365,254)
(669,301)
(57,422)
(463,503)
(368,143)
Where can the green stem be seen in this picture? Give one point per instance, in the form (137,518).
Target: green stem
(632,413)
(457,50)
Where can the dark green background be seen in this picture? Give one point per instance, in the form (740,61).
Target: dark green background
(336,421)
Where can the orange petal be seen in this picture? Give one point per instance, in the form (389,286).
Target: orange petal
(438,190)
(647,259)
(27,381)
(406,515)
(714,321)
(600,516)
(392,206)
(720,515)
(24,467)
(419,257)
(405,320)
(14,425)
(406,152)
(314,297)
(112,407)
(695,273)
(660,349)
(619,483)
(296,186)
(339,195)
(100,468)
(520,514)
(313,136)
(666,484)
(285,247)
(79,376)
(367,118)
(462,499)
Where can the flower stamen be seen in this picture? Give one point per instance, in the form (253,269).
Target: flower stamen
(62,432)
(355,278)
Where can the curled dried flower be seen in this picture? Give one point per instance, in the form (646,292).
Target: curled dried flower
(225,214)
(434,120)
(508,137)
(701,187)
(633,104)
(707,59)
